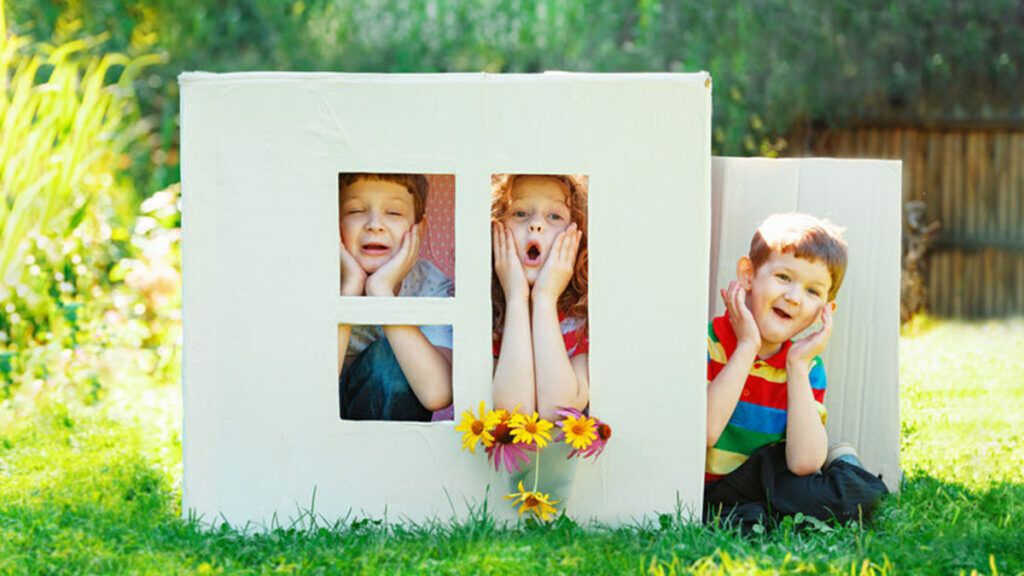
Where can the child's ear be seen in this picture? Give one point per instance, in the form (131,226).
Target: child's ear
(833,304)
(745,273)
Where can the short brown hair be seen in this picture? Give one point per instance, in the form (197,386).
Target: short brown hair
(416,184)
(803,236)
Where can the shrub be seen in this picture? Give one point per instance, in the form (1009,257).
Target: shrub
(775,62)
(69,120)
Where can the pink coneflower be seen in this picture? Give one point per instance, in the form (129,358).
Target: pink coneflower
(503,449)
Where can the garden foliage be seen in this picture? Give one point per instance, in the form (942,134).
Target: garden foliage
(90,116)
(74,254)
(90,290)
(774,62)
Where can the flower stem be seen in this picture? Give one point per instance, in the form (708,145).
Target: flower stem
(536,470)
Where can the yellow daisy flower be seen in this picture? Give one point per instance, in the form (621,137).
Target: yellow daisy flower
(539,504)
(579,432)
(516,496)
(475,429)
(498,422)
(531,430)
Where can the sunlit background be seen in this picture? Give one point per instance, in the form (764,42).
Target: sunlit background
(90,323)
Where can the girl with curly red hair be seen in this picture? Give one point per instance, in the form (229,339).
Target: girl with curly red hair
(539,292)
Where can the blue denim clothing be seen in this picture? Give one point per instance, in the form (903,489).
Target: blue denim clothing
(374,388)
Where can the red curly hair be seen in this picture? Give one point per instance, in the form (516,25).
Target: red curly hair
(572,303)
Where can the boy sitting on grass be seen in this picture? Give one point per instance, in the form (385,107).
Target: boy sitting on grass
(766,441)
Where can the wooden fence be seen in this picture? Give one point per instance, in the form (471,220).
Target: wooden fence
(971,180)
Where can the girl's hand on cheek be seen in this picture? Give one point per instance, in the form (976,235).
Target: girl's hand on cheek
(353,277)
(742,319)
(388,278)
(507,266)
(560,265)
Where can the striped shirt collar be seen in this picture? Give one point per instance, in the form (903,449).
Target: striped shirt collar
(727,337)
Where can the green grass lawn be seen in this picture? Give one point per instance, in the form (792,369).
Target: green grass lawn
(96,489)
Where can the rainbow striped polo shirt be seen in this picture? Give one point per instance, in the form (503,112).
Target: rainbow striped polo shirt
(760,414)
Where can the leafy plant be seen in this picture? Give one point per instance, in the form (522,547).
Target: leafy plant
(776,63)
(64,129)
(69,118)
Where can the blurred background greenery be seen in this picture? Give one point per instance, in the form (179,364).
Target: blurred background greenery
(89,159)
(90,289)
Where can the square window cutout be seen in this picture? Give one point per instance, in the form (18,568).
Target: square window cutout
(397,234)
(395,373)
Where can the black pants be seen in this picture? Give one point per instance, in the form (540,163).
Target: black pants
(763,489)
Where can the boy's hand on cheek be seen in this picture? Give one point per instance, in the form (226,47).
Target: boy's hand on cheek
(353,277)
(559,266)
(507,266)
(803,351)
(742,319)
(386,280)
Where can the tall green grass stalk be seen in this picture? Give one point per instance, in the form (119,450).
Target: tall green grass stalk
(64,127)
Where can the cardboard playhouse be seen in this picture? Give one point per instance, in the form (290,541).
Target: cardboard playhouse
(262,438)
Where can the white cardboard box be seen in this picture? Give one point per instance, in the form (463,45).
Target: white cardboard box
(261,154)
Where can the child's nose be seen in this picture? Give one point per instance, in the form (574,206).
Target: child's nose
(536,224)
(793,294)
(374,221)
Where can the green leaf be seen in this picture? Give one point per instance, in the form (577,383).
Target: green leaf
(77,217)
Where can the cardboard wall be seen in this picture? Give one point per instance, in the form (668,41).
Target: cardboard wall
(261,154)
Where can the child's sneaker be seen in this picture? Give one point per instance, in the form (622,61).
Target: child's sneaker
(842,452)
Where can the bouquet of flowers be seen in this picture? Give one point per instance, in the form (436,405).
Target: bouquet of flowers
(507,437)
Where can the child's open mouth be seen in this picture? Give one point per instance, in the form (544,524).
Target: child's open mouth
(532,254)
(781,314)
(375,249)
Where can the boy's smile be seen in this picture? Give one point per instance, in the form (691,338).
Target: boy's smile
(786,295)
(537,214)
(375,215)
